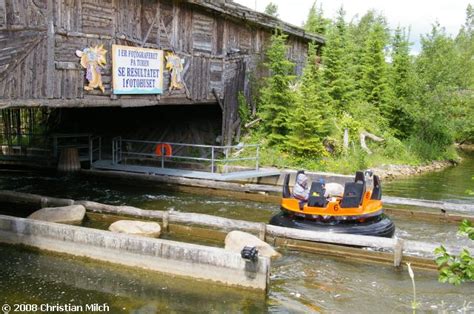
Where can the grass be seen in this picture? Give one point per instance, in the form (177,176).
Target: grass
(390,152)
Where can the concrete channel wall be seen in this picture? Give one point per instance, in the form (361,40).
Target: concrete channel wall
(177,258)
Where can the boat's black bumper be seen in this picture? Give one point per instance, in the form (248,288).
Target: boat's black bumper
(380,226)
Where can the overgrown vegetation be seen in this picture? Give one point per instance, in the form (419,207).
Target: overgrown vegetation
(365,79)
(456,269)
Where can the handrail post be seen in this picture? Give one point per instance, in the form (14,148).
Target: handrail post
(120,138)
(212,159)
(226,165)
(100,148)
(257,158)
(91,147)
(162,156)
(113,151)
(55,147)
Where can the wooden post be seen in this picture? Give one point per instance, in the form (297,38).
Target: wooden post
(69,160)
(262,231)
(166,217)
(398,252)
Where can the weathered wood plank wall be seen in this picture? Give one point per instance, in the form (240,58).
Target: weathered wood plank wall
(220,43)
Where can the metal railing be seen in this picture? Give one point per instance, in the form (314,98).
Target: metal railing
(116,150)
(95,150)
(25,145)
(81,141)
(210,154)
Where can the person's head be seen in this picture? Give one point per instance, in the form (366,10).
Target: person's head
(302,180)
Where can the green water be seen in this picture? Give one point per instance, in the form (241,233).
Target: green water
(300,283)
(447,185)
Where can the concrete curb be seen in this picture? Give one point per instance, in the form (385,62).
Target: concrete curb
(177,258)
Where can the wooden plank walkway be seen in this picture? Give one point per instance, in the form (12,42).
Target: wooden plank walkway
(107,165)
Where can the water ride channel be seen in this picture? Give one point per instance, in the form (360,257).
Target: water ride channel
(299,282)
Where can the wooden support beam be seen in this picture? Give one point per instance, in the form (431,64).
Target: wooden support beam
(50,47)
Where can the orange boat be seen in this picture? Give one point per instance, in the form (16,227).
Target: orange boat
(358,211)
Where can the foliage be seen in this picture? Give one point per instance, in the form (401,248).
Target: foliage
(403,81)
(308,122)
(337,79)
(244,109)
(456,269)
(467,229)
(275,95)
(271,9)
(374,83)
(364,78)
(470,192)
(316,22)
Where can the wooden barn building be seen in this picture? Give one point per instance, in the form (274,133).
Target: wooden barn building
(219,45)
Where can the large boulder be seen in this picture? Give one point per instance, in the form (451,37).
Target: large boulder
(73,214)
(235,241)
(141,228)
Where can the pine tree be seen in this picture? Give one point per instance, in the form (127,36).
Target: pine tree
(309,121)
(271,9)
(375,81)
(402,78)
(336,60)
(316,23)
(276,96)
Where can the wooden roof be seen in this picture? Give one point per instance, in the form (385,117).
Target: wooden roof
(235,10)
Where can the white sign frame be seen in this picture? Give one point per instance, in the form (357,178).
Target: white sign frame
(136,70)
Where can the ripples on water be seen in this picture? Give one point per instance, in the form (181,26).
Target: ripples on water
(299,282)
(448,185)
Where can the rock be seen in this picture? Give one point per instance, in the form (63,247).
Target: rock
(72,214)
(141,228)
(235,241)
(334,189)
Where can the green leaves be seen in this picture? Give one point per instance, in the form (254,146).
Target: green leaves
(456,269)
(276,96)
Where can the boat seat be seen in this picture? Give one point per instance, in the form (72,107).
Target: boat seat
(353,194)
(316,195)
(286,188)
(360,177)
(377,191)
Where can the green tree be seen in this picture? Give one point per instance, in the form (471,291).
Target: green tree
(438,78)
(275,95)
(271,9)
(336,60)
(359,31)
(464,111)
(309,120)
(465,44)
(403,84)
(316,23)
(375,80)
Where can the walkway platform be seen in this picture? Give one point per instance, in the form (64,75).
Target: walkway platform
(108,165)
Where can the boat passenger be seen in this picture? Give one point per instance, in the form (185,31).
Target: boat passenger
(301,189)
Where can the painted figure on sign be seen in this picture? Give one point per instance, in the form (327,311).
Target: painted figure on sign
(93,59)
(174,65)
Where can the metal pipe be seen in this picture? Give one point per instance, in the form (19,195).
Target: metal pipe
(212,159)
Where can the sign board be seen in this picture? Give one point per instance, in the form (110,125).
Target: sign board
(137,70)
